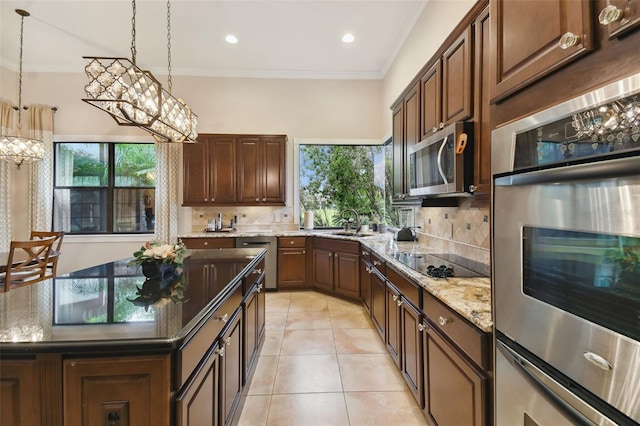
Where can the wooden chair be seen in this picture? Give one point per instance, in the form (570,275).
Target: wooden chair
(56,250)
(27,262)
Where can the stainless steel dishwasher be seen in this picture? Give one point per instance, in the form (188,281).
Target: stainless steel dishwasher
(271,259)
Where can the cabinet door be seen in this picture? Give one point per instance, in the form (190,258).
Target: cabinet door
(620,17)
(393,324)
(411,356)
(347,275)
(378,305)
(197,404)
(133,390)
(222,170)
(457,79)
(249,170)
(526,39)
(251,340)
(323,269)
(365,284)
(274,170)
(455,392)
(195,172)
(19,393)
(291,268)
(231,368)
(398,152)
(209,243)
(482,98)
(431,95)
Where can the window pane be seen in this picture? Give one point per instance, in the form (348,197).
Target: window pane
(82,164)
(134,210)
(80,301)
(135,164)
(80,210)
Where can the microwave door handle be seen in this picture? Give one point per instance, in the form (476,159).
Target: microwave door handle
(444,143)
(556,392)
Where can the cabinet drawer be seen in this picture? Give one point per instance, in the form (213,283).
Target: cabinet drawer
(209,243)
(466,336)
(409,290)
(196,347)
(341,246)
(292,242)
(365,253)
(378,263)
(252,277)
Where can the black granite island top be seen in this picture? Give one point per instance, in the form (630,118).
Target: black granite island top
(100,309)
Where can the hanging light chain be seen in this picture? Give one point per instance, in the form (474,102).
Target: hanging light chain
(133,33)
(170,84)
(22,15)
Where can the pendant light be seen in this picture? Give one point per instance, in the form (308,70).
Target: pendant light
(19,149)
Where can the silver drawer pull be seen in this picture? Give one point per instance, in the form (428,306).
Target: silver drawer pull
(443,321)
(223,318)
(219,351)
(227,341)
(376,263)
(395,298)
(259,288)
(291,242)
(400,302)
(421,327)
(257,271)
(568,40)
(598,361)
(609,15)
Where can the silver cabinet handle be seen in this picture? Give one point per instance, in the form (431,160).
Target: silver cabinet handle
(223,318)
(364,253)
(568,40)
(395,298)
(206,243)
(227,341)
(291,242)
(441,125)
(264,199)
(376,263)
(366,268)
(304,251)
(400,302)
(443,321)
(421,327)
(473,188)
(434,129)
(206,199)
(609,15)
(219,351)
(259,288)
(213,199)
(257,271)
(257,199)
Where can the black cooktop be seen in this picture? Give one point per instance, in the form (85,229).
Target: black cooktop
(443,265)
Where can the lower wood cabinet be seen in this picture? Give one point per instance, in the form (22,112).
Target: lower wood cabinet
(455,390)
(254,321)
(102,391)
(336,267)
(378,303)
(209,243)
(231,371)
(19,392)
(411,363)
(292,259)
(365,279)
(198,402)
(393,325)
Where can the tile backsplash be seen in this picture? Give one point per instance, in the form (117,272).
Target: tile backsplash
(250,218)
(463,230)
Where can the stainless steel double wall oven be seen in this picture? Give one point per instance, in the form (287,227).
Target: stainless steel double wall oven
(566,262)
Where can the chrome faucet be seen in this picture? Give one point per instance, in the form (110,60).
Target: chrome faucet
(354,216)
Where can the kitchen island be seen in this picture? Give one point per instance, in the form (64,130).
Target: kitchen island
(105,345)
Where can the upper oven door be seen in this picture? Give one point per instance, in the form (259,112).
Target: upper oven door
(566,271)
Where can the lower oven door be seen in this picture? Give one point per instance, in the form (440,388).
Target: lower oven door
(566,273)
(527,396)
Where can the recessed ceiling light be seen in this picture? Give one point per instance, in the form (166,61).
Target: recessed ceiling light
(348,38)
(231,39)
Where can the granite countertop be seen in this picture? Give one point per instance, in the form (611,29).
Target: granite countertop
(470,296)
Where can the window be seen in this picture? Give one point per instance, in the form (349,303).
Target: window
(103,188)
(338,177)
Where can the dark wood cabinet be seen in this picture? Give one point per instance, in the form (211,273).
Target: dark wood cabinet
(365,278)
(132,390)
(292,260)
(455,390)
(411,362)
(532,38)
(261,170)
(209,243)
(619,17)
(209,171)
(393,325)
(19,392)
(406,133)
(231,371)
(378,302)
(431,83)
(254,323)
(482,99)
(235,169)
(198,402)
(336,267)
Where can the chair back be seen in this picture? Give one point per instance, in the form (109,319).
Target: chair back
(56,250)
(27,262)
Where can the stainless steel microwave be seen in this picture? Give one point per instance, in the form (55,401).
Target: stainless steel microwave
(442,164)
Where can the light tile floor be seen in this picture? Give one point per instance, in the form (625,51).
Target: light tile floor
(324,364)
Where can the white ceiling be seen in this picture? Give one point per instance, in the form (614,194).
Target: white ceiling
(279,39)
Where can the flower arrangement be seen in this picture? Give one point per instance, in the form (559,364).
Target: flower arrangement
(157,292)
(158,252)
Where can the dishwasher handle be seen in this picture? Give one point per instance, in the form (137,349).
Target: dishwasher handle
(256,243)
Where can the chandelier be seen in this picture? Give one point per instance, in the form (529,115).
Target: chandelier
(134,97)
(18,149)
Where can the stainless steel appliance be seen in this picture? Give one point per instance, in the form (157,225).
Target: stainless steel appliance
(271,259)
(566,262)
(442,164)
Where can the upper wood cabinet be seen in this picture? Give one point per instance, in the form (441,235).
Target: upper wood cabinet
(261,169)
(235,169)
(532,38)
(406,133)
(620,16)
